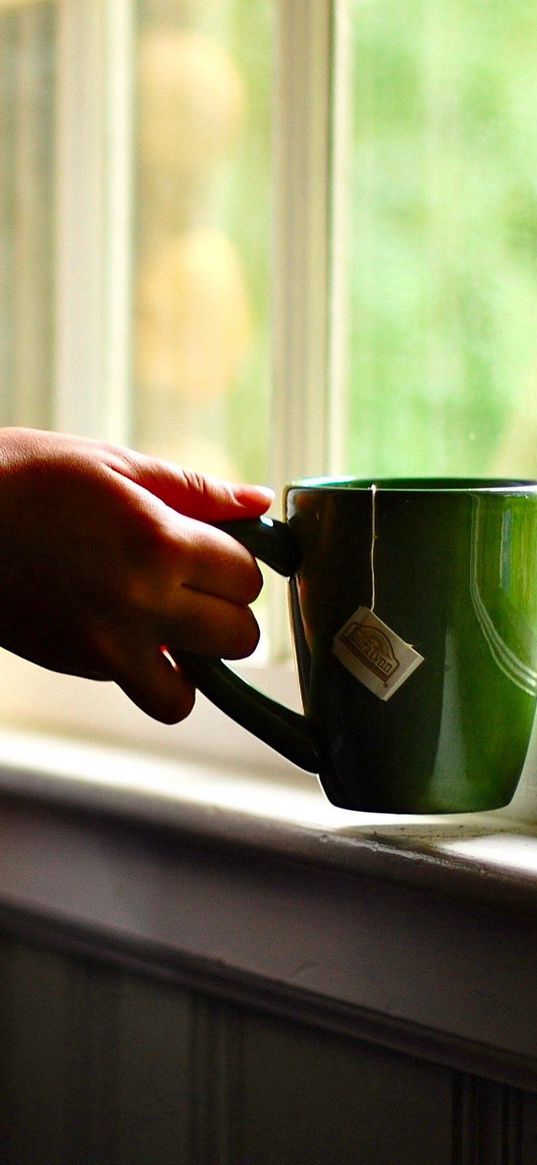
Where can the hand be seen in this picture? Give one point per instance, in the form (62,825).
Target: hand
(108,566)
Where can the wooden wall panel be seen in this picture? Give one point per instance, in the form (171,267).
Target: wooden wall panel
(59,1058)
(35,1038)
(154,1095)
(528,1129)
(311,1096)
(100,1066)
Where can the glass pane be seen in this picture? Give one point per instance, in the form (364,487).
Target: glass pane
(443,268)
(202,233)
(27,218)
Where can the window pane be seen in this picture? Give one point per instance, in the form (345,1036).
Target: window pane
(443,269)
(202,233)
(27,220)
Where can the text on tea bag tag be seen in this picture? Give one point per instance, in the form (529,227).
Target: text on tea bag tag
(374,654)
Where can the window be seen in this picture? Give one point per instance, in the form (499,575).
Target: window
(267,238)
(442,280)
(27,217)
(154,150)
(201,222)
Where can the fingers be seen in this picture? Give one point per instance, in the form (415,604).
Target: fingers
(141,657)
(213,626)
(193,494)
(215,563)
(159,687)
(146,672)
(177,553)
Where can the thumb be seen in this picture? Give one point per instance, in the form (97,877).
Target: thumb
(196,495)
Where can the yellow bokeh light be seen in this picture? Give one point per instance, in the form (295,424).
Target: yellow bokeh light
(191,99)
(194,316)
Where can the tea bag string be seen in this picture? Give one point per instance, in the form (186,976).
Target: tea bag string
(373,539)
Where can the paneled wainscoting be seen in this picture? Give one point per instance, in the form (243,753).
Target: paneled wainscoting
(106,1066)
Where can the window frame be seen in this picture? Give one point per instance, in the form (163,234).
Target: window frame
(94,227)
(95,100)
(94,218)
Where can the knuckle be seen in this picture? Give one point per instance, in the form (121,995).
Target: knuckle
(149,541)
(149,580)
(136,590)
(195,482)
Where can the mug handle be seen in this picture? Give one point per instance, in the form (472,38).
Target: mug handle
(287,732)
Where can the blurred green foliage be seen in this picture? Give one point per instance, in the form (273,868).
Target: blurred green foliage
(443,238)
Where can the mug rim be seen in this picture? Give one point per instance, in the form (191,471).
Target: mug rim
(462,485)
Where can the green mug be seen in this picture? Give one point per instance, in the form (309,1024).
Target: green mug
(414,616)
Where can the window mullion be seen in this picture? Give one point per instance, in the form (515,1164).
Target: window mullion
(303,244)
(309,222)
(93,217)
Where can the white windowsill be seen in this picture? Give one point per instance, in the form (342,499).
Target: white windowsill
(487,856)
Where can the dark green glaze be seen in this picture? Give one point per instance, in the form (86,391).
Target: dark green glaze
(455,575)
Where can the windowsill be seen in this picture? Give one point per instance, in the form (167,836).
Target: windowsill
(488,857)
(417,934)
(260,801)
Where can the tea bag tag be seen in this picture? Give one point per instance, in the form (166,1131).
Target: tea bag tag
(374,654)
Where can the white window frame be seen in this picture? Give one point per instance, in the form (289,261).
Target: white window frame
(93,357)
(94,214)
(94,224)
